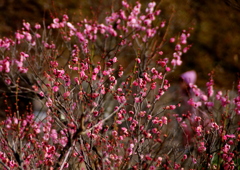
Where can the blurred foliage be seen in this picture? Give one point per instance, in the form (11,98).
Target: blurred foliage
(215,38)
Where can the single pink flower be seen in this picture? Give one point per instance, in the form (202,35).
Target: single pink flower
(189,77)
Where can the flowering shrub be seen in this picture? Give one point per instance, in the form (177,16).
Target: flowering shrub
(103,88)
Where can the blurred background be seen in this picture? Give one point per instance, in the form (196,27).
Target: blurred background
(215,39)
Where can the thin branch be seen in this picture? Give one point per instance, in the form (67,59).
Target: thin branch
(4,165)
(102,121)
(66,157)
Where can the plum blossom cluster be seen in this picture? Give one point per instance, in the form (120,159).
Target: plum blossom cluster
(40,140)
(6,64)
(102,88)
(208,128)
(6,43)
